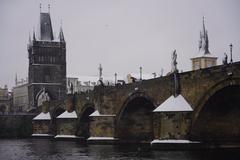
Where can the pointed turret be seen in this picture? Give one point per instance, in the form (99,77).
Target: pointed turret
(61,35)
(34,37)
(29,45)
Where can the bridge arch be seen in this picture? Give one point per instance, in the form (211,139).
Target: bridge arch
(83,122)
(216,117)
(134,122)
(54,114)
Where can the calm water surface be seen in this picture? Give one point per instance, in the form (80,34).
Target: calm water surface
(45,149)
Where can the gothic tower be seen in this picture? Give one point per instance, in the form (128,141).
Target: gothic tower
(204,58)
(47,63)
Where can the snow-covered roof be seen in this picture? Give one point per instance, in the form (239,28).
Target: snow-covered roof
(174,104)
(97,114)
(207,55)
(43,116)
(67,114)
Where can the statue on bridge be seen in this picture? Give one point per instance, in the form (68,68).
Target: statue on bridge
(225,59)
(174,61)
(43,97)
(100,72)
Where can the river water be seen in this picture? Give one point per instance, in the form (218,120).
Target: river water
(46,149)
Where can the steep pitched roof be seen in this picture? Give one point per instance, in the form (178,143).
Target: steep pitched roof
(46,32)
(67,114)
(43,116)
(174,104)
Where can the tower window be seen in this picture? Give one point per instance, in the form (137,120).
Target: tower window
(47,75)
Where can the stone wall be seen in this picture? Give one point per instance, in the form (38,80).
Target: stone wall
(41,126)
(16,126)
(102,126)
(172,125)
(66,126)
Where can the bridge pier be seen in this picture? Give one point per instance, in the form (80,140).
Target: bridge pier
(67,121)
(41,123)
(102,128)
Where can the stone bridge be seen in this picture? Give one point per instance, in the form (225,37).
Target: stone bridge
(125,112)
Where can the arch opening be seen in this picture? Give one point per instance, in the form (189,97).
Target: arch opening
(84,122)
(135,122)
(219,118)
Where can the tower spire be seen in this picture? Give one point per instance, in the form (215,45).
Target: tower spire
(204,59)
(45,27)
(203,42)
(204,30)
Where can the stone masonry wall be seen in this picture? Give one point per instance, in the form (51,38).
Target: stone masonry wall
(66,126)
(102,126)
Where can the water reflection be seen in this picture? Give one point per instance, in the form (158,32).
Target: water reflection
(45,149)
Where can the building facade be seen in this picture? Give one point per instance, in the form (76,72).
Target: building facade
(20,98)
(47,63)
(78,84)
(5,100)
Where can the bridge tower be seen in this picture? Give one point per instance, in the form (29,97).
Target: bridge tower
(204,58)
(47,63)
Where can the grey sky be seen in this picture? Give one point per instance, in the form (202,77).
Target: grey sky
(120,34)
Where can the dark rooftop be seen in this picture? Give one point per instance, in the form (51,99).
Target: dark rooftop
(46,32)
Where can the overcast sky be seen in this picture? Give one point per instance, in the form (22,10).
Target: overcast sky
(122,35)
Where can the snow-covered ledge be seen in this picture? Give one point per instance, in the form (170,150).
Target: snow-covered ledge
(101,138)
(67,114)
(97,114)
(42,135)
(66,136)
(173,141)
(43,116)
